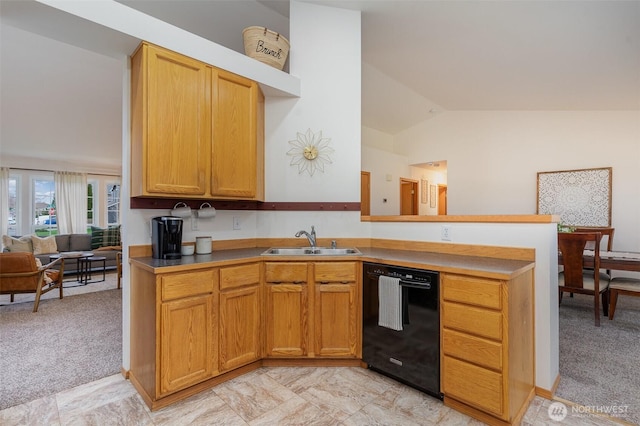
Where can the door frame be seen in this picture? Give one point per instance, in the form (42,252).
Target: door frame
(442,199)
(413,185)
(365,193)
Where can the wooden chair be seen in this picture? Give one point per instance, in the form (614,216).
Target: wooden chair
(574,278)
(19,273)
(622,285)
(607,233)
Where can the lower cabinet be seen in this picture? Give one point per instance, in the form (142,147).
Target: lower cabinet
(312,309)
(174,334)
(240,315)
(187,343)
(287,309)
(487,346)
(190,327)
(336,307)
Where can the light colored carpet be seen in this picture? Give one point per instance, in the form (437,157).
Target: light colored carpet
(71,288)
(66,343)
(599,365)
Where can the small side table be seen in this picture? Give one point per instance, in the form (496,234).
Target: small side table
(79,256)
(88,263)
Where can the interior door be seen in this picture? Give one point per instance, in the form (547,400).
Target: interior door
(365,193)
(408,196)
(442,199)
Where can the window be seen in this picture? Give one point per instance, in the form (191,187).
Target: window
(14,217)
(91,211)
(113,204)
(44,207)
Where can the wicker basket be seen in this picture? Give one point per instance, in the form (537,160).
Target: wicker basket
(266,46)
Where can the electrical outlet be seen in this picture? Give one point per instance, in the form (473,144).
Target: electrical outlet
(194,223)
(445,233)
(236,223)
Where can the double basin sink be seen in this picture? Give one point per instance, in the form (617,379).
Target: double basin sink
(313,251)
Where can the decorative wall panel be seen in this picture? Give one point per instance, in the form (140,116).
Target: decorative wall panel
(580,197)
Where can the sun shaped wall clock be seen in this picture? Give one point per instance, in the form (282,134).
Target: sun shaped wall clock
(310,152)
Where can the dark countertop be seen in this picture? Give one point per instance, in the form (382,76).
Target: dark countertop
(488,267)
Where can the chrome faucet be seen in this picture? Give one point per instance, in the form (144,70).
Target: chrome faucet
(310,236)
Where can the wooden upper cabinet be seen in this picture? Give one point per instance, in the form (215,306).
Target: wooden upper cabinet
(235,118)
(171,118)
(196,131)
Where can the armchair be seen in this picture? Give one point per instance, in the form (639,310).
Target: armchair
(19,273)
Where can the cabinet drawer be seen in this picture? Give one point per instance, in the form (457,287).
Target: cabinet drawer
(485,353)
(335,272)
(188,284)
(238,276)
(473,385)
(286,272)
(473,291)
(478,321)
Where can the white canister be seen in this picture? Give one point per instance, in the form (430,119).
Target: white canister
(203,245)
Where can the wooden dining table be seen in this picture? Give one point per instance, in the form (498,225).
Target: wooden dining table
(614,260)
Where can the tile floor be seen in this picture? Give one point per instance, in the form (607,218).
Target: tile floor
(267,396)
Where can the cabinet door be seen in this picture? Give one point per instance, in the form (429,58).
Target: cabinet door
(336,309)
(186,343)
(287,309)
(287,320)
(234,150)
(336,319)
(176,126)
(240,322)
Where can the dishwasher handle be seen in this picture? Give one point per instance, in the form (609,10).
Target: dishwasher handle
(415,284)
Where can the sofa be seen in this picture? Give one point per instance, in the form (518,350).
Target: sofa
(97,243)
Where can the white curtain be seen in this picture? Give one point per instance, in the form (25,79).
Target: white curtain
(4,200)
(71,202)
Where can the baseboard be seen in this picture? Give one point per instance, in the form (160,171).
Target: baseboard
(548,394)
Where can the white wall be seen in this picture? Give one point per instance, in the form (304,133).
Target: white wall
(379,158)
(493,158)
(433,178)
(386,169)
(328,65)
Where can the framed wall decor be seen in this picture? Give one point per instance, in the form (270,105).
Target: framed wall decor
(423,191)
(581,197)
(432,195)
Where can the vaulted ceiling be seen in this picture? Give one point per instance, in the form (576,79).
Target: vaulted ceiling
(420,58)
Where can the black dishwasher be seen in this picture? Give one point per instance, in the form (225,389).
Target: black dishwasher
(410,351)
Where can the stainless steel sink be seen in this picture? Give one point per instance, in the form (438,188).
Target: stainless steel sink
(317,251)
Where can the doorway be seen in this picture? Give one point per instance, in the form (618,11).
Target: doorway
(408,196)
(442,199)
(365,193)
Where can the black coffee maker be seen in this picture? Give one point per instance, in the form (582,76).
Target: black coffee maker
(166,237)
